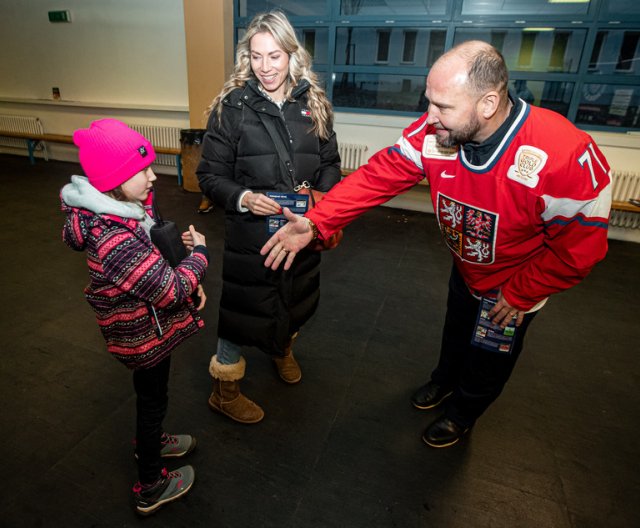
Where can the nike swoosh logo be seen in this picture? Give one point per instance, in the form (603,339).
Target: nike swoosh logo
(444,174)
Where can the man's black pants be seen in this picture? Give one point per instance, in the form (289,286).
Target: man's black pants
(475,375)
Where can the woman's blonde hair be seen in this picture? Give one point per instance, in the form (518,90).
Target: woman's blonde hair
(277,24)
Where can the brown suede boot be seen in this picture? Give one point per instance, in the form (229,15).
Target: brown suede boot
(288,368)
(226,397)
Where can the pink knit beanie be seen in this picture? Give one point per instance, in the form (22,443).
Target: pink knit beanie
(110,153)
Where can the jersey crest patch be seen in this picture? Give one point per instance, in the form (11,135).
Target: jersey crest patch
(431,149)
(468,231)
(528,163)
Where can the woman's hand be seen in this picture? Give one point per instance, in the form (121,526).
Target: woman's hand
(192,238)
(260,204)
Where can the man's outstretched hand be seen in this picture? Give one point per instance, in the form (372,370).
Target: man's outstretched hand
(285,243)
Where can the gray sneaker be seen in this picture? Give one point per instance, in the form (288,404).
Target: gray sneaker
(176,446)
(169,487)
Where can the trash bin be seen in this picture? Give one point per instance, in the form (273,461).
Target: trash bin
(191,150)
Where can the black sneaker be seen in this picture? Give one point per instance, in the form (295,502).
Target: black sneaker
(443,433)
(429,396)
(169,487)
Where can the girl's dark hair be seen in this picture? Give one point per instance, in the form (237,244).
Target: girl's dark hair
(117,194)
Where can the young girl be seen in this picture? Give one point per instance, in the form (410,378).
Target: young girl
(142,305)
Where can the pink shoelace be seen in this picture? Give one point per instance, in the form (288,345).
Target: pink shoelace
(138,487)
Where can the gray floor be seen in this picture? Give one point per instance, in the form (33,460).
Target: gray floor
(341,449)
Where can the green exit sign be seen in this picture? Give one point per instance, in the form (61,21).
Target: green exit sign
(60,16)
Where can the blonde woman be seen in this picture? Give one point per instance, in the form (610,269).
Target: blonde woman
(272,95)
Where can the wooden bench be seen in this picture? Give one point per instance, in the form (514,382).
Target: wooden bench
(625,206)
(34,139)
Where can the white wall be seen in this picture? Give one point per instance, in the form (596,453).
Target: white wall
(117,58)
(114,51)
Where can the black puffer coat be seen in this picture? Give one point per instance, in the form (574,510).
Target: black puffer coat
(261,307)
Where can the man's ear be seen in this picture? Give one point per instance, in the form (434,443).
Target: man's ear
(489,104)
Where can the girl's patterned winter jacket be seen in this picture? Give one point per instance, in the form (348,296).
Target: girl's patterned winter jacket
(142,305)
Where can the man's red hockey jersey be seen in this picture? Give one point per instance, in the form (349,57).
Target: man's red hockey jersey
(531,221)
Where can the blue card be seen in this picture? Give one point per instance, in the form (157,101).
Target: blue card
(490,336)
(297,203)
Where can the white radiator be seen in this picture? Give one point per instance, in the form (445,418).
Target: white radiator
(625,185)
(20,123)
(352,155)
(161,136)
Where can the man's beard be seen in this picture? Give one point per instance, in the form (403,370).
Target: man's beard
(460,137)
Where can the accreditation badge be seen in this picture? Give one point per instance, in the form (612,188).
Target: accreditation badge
(488,335)
(297,204)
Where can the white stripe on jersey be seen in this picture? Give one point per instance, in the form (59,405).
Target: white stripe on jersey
(499,149)
(409,152)
(598,207)
(424,124)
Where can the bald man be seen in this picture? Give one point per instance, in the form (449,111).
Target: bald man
(522,198)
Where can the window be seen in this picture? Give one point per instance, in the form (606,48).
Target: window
(533,49)
(628,51)
(367,46)
(250,8)
(380,92)
(393,7)
(409,48)
(544,8)
(316,41)
(309,41)
(615,52)
(384,37)
(621,8)
(577,57)
(609,105)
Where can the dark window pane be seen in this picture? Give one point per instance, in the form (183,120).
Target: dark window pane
(628,51)
(523,90)
(616,51)
(382,92)
(383,46)
(597,49)
(322,79)
(316,41)
(609,105)
(553,95)
(520,7)
(367,46)
(250,8)
(393,7)
(309,41)
(541,50)
(409,50)
(436,46)
(559,50)
(556,95)
(622,7)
